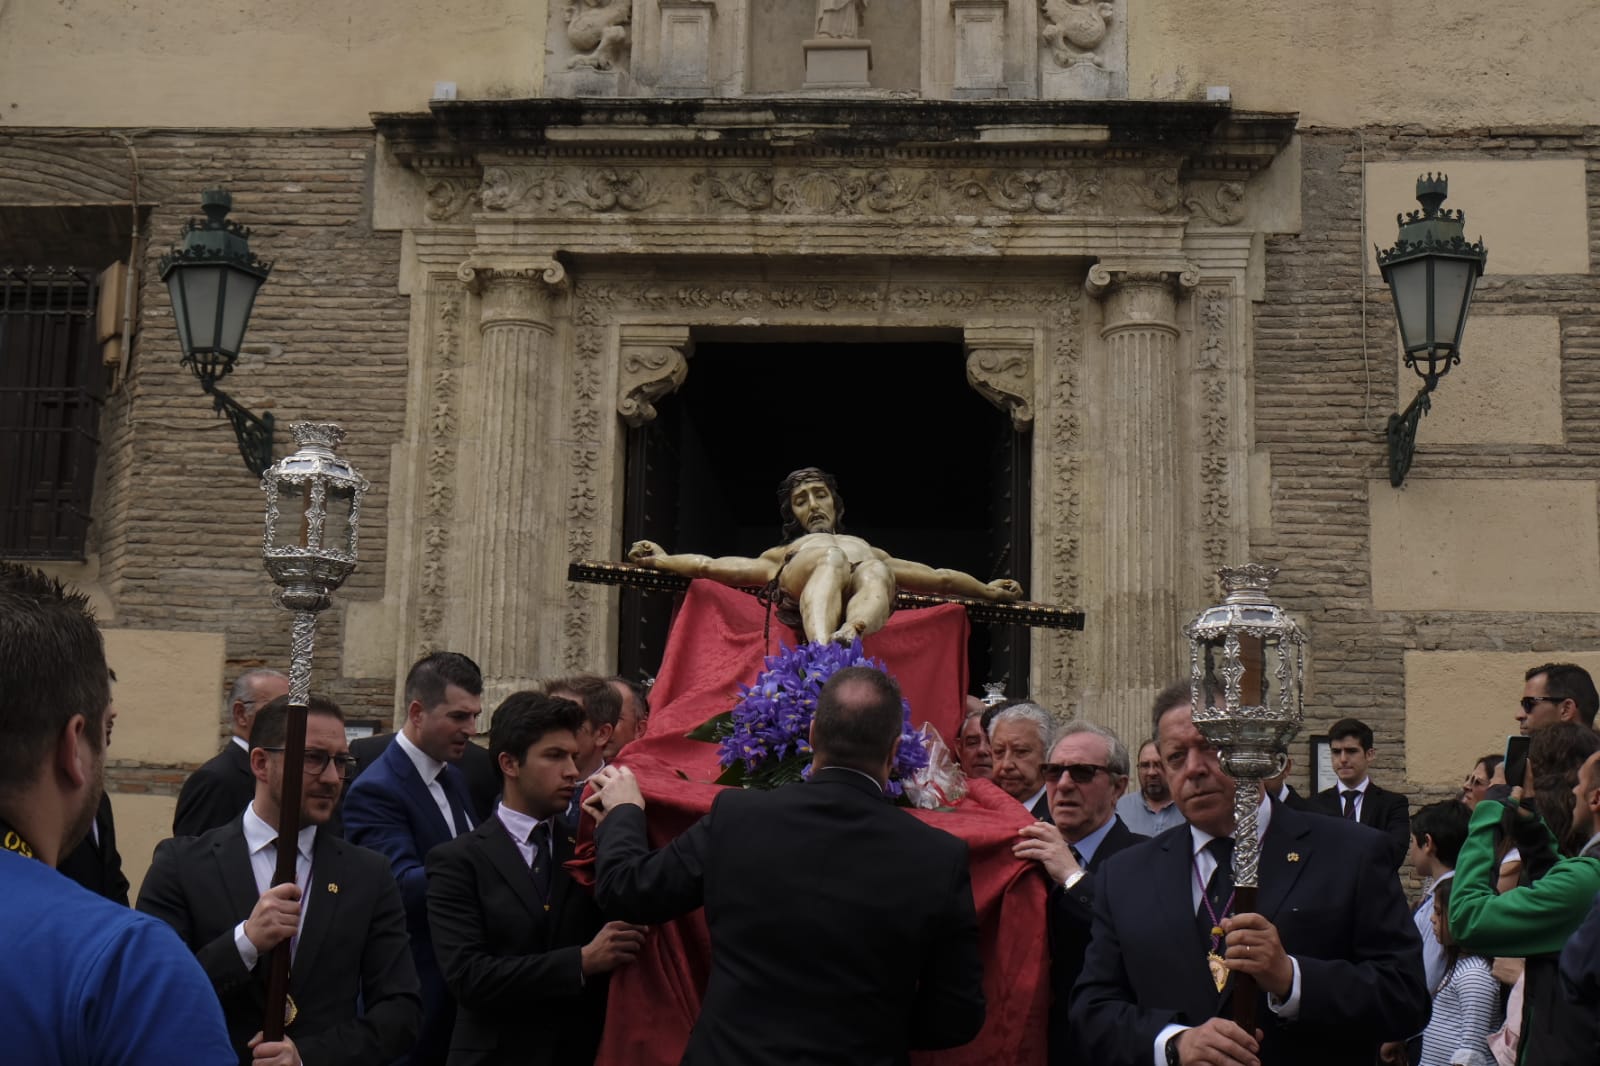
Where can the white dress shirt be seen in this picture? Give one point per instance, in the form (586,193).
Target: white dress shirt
(260,840)
(1205,864)
(1361,795)
(520,827)
(429,769)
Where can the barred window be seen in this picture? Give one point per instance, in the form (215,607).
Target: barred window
(51,387)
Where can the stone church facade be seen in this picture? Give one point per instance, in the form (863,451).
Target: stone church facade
(1171,299)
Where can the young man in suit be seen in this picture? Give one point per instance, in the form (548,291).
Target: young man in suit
(1087,771)
(842,929)
(351,982)
(414,798)
(1355,798)
(523,950)
(483,780)
(1331,947)
(223,786)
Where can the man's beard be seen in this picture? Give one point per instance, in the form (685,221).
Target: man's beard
(85,817)
(1158,792)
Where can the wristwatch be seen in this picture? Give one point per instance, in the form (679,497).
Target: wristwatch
(1172,1051)
(1072,879)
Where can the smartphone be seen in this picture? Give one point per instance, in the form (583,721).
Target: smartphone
(1516,759)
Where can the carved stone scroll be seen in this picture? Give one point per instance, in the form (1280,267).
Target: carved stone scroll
(1000,366)
(654,361)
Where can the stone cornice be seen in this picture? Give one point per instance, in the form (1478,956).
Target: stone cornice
(1211,138)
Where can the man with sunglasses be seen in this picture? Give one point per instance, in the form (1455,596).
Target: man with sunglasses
(1556,692)
(352,985)
(1087,771)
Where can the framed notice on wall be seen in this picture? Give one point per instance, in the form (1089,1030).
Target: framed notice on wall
(1322,775)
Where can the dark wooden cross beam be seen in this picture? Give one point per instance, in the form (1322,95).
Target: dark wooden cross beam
(1023,613)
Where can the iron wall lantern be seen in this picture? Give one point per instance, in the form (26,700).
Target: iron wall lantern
(1431,271)
(213,278)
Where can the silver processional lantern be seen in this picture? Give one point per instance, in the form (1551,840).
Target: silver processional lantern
(1246,662)
(308,548)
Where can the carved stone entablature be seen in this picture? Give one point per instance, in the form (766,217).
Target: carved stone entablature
(520,292)
(1000,366)
(653,362)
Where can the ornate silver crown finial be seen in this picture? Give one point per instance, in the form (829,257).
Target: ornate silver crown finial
(1248,583)
(323,434)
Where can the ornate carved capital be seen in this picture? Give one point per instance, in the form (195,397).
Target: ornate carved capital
(1000,365)
(1140,299)
(654,361)
(519,293)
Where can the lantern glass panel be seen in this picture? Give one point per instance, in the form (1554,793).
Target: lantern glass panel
(203,286)
(180,308)
(291,530)
(336,532)
(1253,682)
(1212,688)
(1452,288)
(1409,283)
(240,291)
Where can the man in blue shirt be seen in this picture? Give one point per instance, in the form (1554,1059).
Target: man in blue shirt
(86,982)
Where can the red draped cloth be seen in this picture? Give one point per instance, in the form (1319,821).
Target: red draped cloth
(716,644)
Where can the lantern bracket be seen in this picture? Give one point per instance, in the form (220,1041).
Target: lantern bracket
(1402,434)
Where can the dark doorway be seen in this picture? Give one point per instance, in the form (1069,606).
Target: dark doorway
(928,469)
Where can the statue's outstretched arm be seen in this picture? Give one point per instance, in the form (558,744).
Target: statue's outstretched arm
(729,569)
(918,577)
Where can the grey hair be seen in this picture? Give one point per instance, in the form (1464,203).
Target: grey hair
(1032,713)
(1116,750)
(244,686)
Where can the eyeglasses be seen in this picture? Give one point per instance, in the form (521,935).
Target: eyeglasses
(1527,702)
(1080,772)
(317,762)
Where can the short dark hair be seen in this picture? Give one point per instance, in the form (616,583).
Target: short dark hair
(1174,695)
(432,674)
(601,703)
(1557,753)
(1446,823)
(641,691)
(1491,763)
(858,733)
(1352,727)
(524,718)
(1569,681)
(270,727)
(52,666)
(803,476)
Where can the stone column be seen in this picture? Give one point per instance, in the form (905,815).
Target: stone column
(514,574)
(1134,641)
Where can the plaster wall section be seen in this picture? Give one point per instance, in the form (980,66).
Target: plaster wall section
(297,64)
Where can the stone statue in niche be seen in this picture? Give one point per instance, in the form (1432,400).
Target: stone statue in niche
(598,32)
(1075,28)
(835,586)
(840,19)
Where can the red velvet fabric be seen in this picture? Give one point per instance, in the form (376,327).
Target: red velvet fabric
(716,644)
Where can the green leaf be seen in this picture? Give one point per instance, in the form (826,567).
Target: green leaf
(733,775)
(713,729)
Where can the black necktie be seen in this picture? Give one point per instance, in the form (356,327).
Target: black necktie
(452,795)
(1219,889)
(1349,797)
(540,865)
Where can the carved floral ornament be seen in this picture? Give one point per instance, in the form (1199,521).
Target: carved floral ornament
(1074,29)
(903,192)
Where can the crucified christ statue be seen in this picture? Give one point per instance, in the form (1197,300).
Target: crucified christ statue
(843,586)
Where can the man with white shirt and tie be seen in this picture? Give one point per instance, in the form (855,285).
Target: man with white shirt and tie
(352,984)
(523,949)
(602,705)
(1355,798)
(414,798)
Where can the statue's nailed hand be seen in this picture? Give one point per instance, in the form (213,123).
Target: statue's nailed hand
(1005,590)
(645,552)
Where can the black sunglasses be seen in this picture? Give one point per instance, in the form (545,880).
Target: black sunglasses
(1528,701)
(1080,772)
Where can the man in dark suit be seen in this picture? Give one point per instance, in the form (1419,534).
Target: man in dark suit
(483,780)
(523,950)
(1087,771)
(1355,798)
(414,798)
(1278,788)
(351,981)
(842,929)
(1331,946)
(1019,737)
(219,791)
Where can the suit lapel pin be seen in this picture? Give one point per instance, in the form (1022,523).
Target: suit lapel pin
(332,887)
(1293,856)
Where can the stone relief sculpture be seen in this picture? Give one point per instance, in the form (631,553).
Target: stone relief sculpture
(841,19)
(1075,28)
(598,32)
